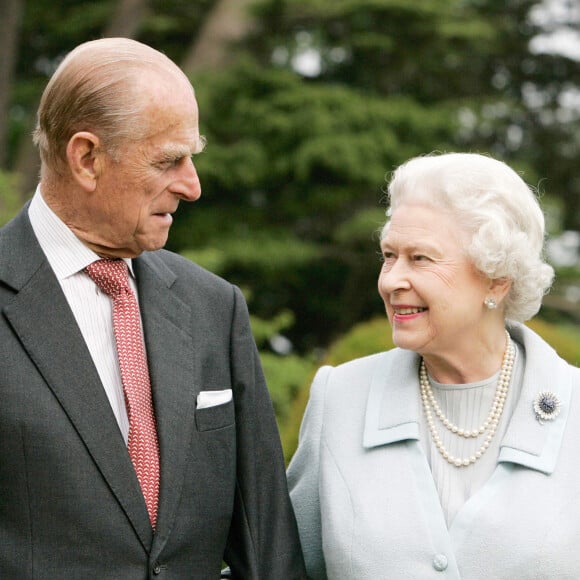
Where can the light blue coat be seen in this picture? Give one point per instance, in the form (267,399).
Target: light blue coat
(366,502)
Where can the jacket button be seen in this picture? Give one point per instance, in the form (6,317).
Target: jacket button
(440,562)
(156,569)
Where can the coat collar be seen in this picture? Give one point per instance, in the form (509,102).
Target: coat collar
(393,409)
(392,412)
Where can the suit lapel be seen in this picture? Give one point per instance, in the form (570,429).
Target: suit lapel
(45,325)
(170,353)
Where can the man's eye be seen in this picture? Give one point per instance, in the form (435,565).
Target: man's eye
(167,163)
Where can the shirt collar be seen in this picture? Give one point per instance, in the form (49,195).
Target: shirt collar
(66,254)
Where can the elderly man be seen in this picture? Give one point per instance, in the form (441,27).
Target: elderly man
(137,437)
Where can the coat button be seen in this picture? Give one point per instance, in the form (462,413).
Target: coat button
(156,569)
(440,562)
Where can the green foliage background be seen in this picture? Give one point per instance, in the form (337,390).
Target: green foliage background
(295,169)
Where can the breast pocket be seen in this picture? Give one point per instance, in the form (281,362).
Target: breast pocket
(215,410)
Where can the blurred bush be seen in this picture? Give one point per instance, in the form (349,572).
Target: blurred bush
(564,338)
(10,201)
(363,339)
(287,377)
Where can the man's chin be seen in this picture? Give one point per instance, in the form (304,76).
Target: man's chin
(153,243)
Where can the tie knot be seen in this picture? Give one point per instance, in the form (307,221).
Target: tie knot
(111,276)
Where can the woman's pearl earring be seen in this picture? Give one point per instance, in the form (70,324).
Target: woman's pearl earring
(490,303)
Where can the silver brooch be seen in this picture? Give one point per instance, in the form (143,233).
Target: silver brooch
(546,406)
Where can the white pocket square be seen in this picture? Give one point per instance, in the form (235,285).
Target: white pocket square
(212,398)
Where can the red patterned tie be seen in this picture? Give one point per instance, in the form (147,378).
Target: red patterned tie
(111,276)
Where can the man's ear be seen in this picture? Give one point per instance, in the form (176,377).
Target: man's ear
(85,159)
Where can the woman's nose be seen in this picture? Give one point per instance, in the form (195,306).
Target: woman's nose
(394,276)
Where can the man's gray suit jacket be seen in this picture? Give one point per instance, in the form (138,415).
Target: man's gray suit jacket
(70,503)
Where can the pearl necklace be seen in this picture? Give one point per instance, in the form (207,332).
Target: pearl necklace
(490,424)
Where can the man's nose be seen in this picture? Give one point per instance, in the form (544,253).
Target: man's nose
(187,186)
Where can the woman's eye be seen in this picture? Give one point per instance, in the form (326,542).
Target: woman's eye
(388,259)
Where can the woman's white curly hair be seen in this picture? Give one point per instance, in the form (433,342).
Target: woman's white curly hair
(500,212)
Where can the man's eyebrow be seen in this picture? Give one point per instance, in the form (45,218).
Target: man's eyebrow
(200,145)
(172,153)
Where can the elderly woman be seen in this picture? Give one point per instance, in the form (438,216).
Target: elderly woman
(456,454)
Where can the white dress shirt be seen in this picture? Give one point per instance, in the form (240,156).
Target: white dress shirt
(92,308)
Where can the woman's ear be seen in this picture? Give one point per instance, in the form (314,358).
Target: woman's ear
(499,288)
(84,158)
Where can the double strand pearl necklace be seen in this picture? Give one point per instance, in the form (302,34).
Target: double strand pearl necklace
(489,426)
